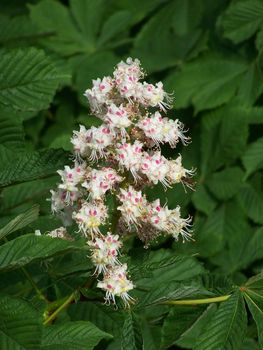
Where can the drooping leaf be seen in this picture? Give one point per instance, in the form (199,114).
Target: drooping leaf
(20,326)
(20,221)
(28,81)
(226,330)
(28,248)
(79,335)
(252,299)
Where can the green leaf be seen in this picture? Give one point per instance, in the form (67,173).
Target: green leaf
(20,221)
(254,248)
(226,183)
(98,313)
(242,19)
(131,333)
(31,166)
(28,81)
(253,158)
(115,24)
(184,324)
(236,237)
(29,248)
(161,269)
(227,328)
(251,85)
(257,312)
(207,82)
(79,335)
(173,291)
(11,130)
(154,43)
(55,17)
(19,325)
(251,201)
(202,200)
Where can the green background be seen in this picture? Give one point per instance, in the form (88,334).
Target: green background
(209,54)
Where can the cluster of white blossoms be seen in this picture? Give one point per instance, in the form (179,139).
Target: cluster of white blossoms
(119,159)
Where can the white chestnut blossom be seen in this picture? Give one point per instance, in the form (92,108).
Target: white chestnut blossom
(113,164)
(117,117)
(162,130)
(90,217)
(99,93)
(169,221)
(116,283)
(133,206)
(105,250)
(100,181)
(155,167)
(130,155)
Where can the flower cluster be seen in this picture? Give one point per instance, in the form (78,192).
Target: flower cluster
(118,159)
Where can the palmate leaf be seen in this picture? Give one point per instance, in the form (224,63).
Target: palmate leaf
(184,324)
(253,158)
(32,165)
(242,19)
(79,335)
(226,183)
(256,309)
(131,337)
(28,248)
(207,82)
(20,325)
(28,81)
(170,24)
(227,328)
(11,130)
(20,221)
(251,201)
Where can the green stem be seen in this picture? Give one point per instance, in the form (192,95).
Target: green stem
(33,284)
(197,301)
(63,306)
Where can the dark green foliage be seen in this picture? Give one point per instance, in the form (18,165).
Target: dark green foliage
(210,55)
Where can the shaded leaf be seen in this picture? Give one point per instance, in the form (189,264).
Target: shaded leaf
(19,325)
(227,327)
(131,338)
(28,248)
(79,335)
(20,221)
(253,157)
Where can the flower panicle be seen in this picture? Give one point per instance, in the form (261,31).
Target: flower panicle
(121,157)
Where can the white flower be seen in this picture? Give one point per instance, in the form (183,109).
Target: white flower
(118,117)
(129,155)
(60,232)
(162,130)
(99,139)
(155,167)
(90,217)
(59,199)
(177,172)
(79,141)
(155,96)
(169,221)
(105,251)
(100,181)
(134,206)
(116,283)
(99,93)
